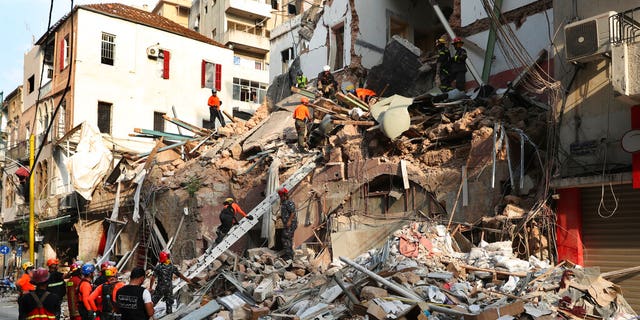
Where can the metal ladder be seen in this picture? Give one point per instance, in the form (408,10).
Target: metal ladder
(244,225)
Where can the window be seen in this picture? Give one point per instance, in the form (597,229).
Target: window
(248,91)
(62,114)
(274,4)
(31,83)
(287,56)
(206,10)
(65,51)
(107,54)
(104,117)
(158,121)
(337,50)
(291,8)
(211,75)
(398,27)
(214,33)
(258,65)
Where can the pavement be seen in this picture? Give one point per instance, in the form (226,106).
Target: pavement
(9,307)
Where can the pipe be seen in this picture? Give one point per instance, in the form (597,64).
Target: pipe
(349,294)
(405,292)
(447,27)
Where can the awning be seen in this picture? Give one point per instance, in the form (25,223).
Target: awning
(55,222)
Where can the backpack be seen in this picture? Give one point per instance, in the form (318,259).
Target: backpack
(40,313)
(107,297)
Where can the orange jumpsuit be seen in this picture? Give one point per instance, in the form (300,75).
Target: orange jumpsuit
(24,284)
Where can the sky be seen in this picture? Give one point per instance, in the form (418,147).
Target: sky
(22,22)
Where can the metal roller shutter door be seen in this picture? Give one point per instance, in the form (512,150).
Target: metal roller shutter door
(613,243)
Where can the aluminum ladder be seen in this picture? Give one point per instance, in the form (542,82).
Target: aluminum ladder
(244,225)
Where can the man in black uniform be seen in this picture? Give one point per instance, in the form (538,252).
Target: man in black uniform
(133,301)
(56,283)
(289,221)
(444,64)
(164,271)
(458,64)
(39,304)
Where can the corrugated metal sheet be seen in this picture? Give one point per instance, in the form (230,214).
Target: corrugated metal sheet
(613,243)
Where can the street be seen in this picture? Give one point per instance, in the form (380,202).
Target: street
(8,307)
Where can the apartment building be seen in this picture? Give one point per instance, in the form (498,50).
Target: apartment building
(174,10)
(242,26)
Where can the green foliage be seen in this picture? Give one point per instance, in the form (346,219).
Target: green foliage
(193,184)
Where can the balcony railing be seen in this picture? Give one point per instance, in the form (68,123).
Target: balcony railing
(20,151)
(256,41)
(624,27)
(249,7)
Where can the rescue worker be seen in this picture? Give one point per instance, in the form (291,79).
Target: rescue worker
(215,104)
(327,84)
(302,116)
(164,271)
(133,301)
(444,64)
(301,80)
(72,291)
(104,296)
(39,304)
(236,209)
(289,222)
(24,284)
(363,94)
(56,283)
(458,64)
(101,278)
(86,310)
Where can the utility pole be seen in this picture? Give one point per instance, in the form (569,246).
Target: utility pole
(32,149)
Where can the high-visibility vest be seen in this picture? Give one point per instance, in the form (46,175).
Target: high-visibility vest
(40,313)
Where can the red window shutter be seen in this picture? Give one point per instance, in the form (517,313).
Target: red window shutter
(62,54)
(218,77)
(165,69)
(203,75)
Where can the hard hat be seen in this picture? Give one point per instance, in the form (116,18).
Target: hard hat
(110,271)
(74,267)
(27,265)
(282,191)
(457,40)
(104,265)
(228,200)
(326,68)
(350,87)
(304,100)
(163,256)
(52,261)
(41,275)
(441,41)
(88,269)
(214,91)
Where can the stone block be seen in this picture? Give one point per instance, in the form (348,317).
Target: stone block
(375,311)
(330,172)
(264,290)
(370,292)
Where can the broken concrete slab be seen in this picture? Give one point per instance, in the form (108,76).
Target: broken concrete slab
(273,129)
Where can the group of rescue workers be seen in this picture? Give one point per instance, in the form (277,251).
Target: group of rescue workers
(451,68)
(41,291)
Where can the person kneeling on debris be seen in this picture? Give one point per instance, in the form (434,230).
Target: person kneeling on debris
(458,64)
(104,296)
(289,221)
(301,80)
(327,84)
(302,116)
(363,94)
(164,271)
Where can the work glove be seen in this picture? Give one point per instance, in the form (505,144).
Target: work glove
(250,217)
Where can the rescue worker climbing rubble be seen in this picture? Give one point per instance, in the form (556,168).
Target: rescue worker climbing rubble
(289,221)
(55,283)
(164,272)
(327,84)
(302,116)
(458,64)
(444,64)
(228,218)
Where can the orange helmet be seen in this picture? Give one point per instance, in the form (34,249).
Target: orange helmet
(110,271)
(52,261)
(304,100)
(282,191)
(163,256)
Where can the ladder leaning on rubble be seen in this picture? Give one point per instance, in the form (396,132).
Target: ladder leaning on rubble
(244,225)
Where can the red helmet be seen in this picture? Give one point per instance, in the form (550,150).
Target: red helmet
(457,40)
(52,261)
(163,257)
(282,191)
(304,100)
(104,265)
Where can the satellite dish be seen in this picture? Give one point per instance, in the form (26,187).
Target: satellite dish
(631,141)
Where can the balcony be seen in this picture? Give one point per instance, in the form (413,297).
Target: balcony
(19,151)
(257,43)
(252,9)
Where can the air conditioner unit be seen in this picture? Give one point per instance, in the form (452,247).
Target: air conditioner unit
(153,51)
(625,63)
(588,39)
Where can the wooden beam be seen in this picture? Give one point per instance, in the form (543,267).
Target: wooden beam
(231,117)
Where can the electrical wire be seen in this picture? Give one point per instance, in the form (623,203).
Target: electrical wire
(602,205)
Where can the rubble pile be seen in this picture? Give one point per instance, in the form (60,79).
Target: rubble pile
(420,260)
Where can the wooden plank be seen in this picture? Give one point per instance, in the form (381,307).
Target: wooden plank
(465,187)
(405,174)
(303,92)
(355,122)
(152,155)
(231,117)
(326,103)
(350,102)
(335,114)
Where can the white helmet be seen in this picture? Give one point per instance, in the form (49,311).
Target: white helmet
(326,68)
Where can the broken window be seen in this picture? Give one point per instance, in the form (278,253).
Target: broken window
(337,49)
(291,8)
(31,84)
(158,121)
(104,117)
(211,75)
(64,51)
(248,91)
(287,57)
(386,195)
(398,27)
(274,4)
(107,54)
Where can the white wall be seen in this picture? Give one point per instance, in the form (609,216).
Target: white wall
(32,67)
(134,84)
(472,10)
